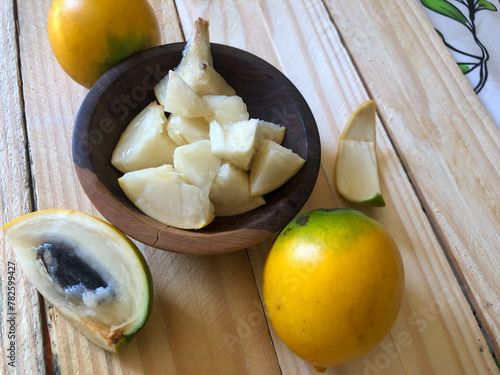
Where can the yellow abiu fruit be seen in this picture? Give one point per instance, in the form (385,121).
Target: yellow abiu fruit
(89,37)
(332,285)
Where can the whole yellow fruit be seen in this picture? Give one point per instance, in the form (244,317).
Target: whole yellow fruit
(88,37)
(332,285)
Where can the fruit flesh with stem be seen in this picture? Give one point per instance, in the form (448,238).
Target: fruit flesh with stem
(194,97)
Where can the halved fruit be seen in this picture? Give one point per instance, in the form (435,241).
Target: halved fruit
(272,167)
(90,271)
(230,192)
(162,194)
(178,98)
(145,142)
(356,169)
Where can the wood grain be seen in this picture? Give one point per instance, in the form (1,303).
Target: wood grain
(189,319)
(207,315)
(22,343)
(446,139)
(435,312)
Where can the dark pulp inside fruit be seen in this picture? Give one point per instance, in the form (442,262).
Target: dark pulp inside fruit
(67,269)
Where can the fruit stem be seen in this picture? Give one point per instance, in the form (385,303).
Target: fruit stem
(320,369)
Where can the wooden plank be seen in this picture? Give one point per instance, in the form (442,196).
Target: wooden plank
(203,306)
(447,140)
(436,331)
(21,324)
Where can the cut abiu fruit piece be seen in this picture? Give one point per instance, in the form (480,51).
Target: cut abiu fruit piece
(184,130)
(272,166)
(90,271)
(356,168)
(197,164)
(145,142)
(164,195)
(179,98)
(230,192)
(196,67)
(271,131)
(234,142)
(226,109)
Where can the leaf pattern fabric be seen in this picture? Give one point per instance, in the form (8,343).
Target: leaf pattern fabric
(470,29)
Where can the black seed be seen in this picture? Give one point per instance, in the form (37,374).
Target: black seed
(67,269)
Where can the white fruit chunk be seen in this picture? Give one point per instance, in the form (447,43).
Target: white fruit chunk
(196,66)
(230,192)
(197,164)
(234,142)
(145,142)
(178,97)
(184,130)
(272,167)
(356,169)
(205,80)
(162,194)
(271,131)
(226,109)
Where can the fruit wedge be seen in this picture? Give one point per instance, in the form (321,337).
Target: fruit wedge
(226,109)
(184,130)
(145,142)
(356,170)
(178,98)
(271,131)
(90,271)
(272,167)
(162,194)
(234,142)
(197,164)
(230,192)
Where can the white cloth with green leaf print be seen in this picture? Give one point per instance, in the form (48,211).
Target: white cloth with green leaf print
(471,31)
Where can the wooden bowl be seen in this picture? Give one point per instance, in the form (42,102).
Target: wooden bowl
(127,88)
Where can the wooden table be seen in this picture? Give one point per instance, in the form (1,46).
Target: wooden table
(439,160)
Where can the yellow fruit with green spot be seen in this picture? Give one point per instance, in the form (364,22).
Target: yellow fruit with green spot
(332,285)
(89,37)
